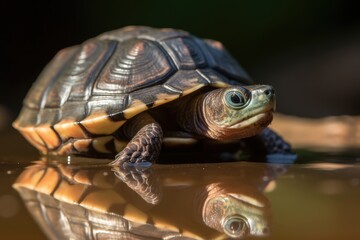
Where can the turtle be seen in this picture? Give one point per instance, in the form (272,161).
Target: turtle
(125,91)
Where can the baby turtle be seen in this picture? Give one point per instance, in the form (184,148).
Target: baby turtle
(123,91)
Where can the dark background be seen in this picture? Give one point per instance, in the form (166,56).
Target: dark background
(309,50)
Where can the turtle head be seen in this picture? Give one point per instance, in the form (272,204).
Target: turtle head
(238,112)
(237,209)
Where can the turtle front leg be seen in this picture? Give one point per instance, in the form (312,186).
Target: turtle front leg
(145,146)
(274,143)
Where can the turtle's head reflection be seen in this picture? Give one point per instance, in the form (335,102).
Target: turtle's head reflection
(240,214)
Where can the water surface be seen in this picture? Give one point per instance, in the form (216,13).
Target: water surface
(317,197)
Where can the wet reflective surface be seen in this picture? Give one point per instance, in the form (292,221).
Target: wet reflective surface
(316,197)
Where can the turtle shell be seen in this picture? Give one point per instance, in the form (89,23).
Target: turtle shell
(91,90)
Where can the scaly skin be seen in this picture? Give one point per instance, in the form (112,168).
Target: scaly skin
(145,144)
(274,143)
(222,114)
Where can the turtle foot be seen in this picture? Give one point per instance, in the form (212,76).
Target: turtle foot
(143,149)
(274,143)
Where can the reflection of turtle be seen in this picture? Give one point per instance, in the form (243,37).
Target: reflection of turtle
(84,202)
(93,98)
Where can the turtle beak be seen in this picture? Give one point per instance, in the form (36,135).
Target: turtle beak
(269,92)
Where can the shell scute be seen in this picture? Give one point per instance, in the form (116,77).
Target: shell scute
(35,98)
(142,32)
(185,80)
(186,53)
(136,63)
(223,62)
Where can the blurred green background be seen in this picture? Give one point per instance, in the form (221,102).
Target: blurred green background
(309,50)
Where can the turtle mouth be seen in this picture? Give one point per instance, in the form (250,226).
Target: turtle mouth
(260,119)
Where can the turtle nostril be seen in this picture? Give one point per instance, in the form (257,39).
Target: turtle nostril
(269,92)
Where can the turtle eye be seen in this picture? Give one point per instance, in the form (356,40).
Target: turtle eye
(236,227)
(235,99)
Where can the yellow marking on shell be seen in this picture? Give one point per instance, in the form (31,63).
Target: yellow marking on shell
(102,200)
(71,193)
(100,123)
(165,225)
(193,89)
(164,98)
(32,137)
(134,214)
(100,142)
(66,149)
(29,178)
(67,128)
(48,135)
(49,182)
(82,145)
(219,84)
(135,108)
(120,145)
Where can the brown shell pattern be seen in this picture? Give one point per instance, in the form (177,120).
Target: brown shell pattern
(93,88)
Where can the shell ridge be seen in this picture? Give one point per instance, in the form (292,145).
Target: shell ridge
(173,89)
(134,65)
(100,66)
(174,68)
(186,53)
(170,53)
(203,76)
(35,95)
(51,84)
(107,57)
(53,80)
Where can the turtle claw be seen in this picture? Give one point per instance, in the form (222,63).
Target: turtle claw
(123,159)
(129,158)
